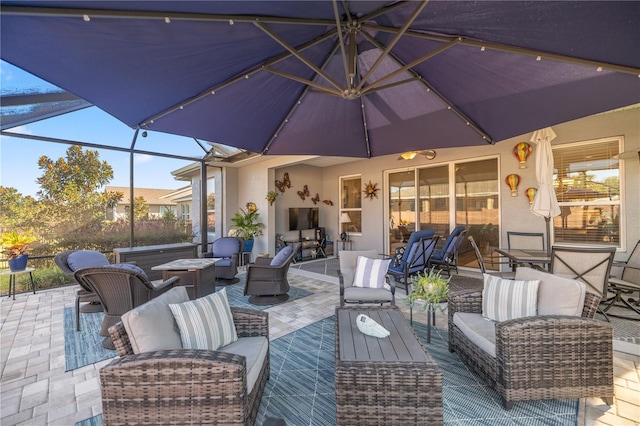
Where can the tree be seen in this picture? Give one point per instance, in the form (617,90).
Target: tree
(211,201)
(70,201)
(80,174)
(140,209)
(16,211)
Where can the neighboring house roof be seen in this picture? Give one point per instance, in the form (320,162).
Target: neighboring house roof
(151,195)
(179,195)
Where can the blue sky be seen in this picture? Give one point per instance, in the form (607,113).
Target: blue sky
(19,157)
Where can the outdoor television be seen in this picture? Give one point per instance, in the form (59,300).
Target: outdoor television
(301,218)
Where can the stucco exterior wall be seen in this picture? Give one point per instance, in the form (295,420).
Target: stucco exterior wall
(251,183)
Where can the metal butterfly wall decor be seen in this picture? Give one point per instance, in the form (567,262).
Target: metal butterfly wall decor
(286,183)
(304,193)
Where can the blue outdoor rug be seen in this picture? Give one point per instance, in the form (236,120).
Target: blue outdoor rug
(235,294)
(84,347)
(301,387)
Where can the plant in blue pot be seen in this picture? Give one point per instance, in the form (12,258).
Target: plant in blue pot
(16,247)
(247,225)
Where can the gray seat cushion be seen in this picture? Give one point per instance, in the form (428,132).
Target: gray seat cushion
(367,294)
(255,350)
(481,331)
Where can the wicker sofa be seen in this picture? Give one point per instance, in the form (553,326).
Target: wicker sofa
(537,357)
(178,386)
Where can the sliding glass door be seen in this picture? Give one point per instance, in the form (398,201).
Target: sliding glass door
(461,193)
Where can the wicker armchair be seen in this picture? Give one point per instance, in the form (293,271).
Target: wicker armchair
(120,289)
(267,282)
(540,357)
(179,386)
(229,249)
(84,294)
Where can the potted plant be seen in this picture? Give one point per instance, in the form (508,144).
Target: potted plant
(430,288)
(433,290)
(271,197)
(16,247)
(247,225)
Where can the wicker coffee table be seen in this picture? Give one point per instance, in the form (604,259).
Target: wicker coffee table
(390,381)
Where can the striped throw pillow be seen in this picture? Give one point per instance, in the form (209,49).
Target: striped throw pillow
(205,323)
(504,299)
(370,273)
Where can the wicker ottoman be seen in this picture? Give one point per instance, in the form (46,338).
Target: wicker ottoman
(390,381)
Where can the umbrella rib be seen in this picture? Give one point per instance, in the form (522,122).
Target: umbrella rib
(341,41)
(295,105)
(245,74)
(411,65)
(509,49)
(392,43)
(381,11)
(365,128)
(430,88)
(303,81)
(370,89)
(297,54)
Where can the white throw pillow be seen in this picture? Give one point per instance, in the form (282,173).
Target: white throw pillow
(205,323)
(504,299)
(370,273)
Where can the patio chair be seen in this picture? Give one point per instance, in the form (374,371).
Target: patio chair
(524,240)
(483,267)
(349,293)
(415,258)
(447,256)
(267,282)
(627,284)
(562,352)
(120,288)
(71,260)
(157,382)
(590,265)
(229,249)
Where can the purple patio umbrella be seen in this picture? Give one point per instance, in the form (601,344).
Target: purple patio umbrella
(545,203)
(340,78)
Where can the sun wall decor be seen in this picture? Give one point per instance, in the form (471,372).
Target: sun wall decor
(371,190)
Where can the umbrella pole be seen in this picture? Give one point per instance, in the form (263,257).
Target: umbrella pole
(547,219)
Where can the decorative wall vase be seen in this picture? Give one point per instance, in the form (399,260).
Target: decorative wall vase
(513,181)
(522,152)
(18,263)
(531,194)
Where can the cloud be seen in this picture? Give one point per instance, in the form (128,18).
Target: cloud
(5,74)
(23,130)
(142,158)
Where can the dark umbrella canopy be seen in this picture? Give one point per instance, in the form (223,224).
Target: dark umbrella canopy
(284,78)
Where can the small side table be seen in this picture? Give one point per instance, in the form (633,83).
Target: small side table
(12,279)
(197,275)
